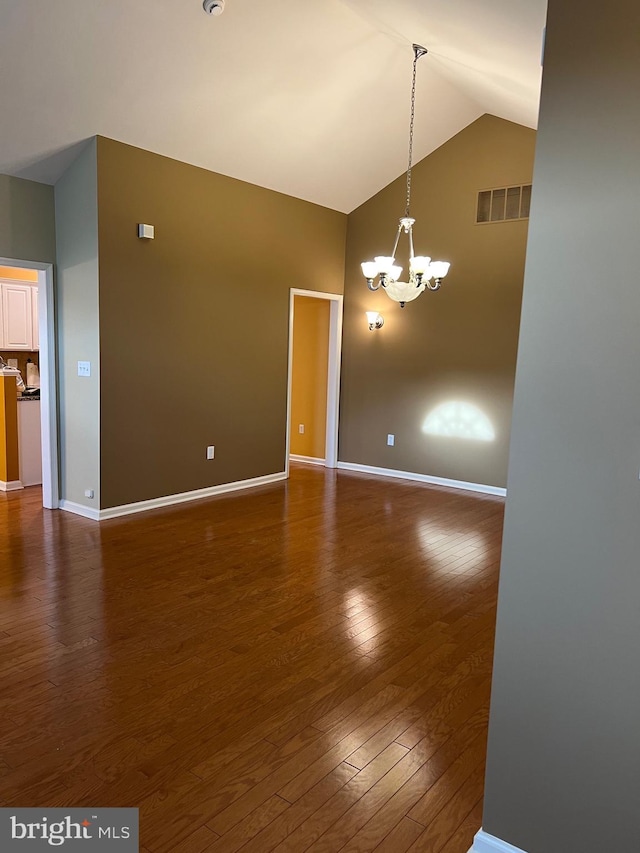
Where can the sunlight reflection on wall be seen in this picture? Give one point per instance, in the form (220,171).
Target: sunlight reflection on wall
(459,420)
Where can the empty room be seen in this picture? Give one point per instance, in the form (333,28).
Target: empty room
(319,428)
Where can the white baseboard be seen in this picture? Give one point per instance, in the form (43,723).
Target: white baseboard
(11,486)
(184,497)
(485,843)
(79,509)
(423,478)
(310,460)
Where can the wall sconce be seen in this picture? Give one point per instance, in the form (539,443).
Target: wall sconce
(375,320)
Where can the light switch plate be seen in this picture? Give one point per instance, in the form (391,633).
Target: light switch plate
(84,368)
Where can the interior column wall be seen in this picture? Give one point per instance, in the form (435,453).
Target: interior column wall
(78,330)
(564,753)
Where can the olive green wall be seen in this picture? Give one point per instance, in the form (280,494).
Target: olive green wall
(194,324)
(457,344)
(27,220)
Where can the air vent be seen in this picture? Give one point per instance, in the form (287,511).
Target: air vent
(503,204)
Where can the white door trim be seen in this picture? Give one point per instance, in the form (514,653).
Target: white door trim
(333,372)
(48,378)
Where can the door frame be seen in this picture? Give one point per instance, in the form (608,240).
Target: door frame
(48,378)
(333,372)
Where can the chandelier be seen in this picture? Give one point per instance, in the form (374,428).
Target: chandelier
(423,272)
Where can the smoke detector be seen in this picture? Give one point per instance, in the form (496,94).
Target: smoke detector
(213,7)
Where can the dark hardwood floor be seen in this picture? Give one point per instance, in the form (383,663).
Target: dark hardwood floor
(300,667)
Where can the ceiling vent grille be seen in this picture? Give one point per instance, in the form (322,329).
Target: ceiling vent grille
(504,204)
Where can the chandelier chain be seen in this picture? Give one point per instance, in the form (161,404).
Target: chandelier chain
(413,114)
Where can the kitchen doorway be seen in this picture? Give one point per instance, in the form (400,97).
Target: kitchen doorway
(315,344)
(48,376)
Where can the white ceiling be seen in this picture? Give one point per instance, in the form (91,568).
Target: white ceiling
(308,98)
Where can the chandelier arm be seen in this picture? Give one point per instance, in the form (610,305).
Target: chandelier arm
(411,243)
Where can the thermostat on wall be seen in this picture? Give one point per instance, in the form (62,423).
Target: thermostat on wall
(146,232)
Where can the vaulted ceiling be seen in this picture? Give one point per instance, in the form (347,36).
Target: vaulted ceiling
(307,98)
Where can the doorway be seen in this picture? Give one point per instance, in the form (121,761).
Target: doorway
(315,343)
(48,378)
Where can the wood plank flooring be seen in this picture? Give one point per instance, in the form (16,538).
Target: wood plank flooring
(305,666)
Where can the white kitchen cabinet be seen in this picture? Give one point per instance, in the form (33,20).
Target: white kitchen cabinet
(18,305)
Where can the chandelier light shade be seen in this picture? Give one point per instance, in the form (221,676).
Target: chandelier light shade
(375,320)
(424,273)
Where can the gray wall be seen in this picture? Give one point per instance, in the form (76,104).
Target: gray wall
(78,329)
(27,229)
(564,749)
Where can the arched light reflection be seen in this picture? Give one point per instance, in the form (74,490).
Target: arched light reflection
(459,420)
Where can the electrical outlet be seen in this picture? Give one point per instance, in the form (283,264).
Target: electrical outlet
(211,452)
(88,493)
(391,440)
(301,429)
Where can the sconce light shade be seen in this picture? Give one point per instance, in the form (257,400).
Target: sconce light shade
(375,320)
